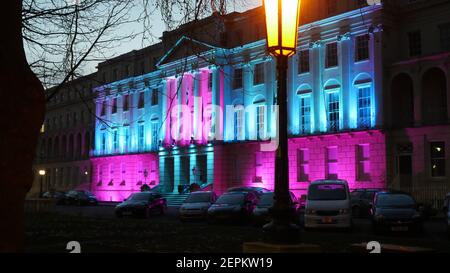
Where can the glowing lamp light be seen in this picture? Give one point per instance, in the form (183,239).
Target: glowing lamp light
(282,19)
(41,172)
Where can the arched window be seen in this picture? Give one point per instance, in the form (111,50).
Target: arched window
(402,107)
(332,91)
(434,93)
(305,101)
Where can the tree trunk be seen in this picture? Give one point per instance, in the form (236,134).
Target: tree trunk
(22,109)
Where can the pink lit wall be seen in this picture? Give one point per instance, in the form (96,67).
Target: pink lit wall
(245,165)
(114,178)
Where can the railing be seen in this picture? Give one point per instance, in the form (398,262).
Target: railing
(433,195)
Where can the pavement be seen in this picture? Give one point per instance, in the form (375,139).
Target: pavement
(98,230)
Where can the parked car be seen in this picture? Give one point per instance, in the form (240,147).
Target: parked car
(58,196)
(257,190)
(80,198)
(142,204)
(395,211)
(302,201)
(196,205)
(447,212)
(261,212)
(328,205)
(362,202)
(233,206)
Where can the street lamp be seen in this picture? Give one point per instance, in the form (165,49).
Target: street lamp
(282,20)
(41,174)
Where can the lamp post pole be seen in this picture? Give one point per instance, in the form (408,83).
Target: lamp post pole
(41,187)
(282,19)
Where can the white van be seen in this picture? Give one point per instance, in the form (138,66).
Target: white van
(328,205)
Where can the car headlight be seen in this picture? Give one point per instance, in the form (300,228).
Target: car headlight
(310,212)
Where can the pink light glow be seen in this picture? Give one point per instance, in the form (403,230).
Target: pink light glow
(114,178)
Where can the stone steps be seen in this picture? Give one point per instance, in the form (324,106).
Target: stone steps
(175,199)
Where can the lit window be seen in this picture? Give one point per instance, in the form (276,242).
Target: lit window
(103,148)
(363,161)
(305,114)
(332,163)
(332,55)
(333,111)
(210,82)
(362,48)
(141,137)
(115,141)
(43,128)
(126,142)
(155,130)
(103,110)
(260,122)
(303,165)
(238,124)
(437,159)
(364,108)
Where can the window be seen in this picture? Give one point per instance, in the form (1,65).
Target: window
(415,43)
(126,143)
(114,106)
(141,137)
(445,37)
(333,111)
(332,6)
(238,124)
(237,78)
(115,141)
(437,159)
(126,103)
(155,97)
(363,162)
(103,144)
(260,119)
(303,165)
(103,110)
(155,129)
(332,163)
(141,103)
(332,55)
(303,62)
(258,74)
(210,82)
(362,48)
(75,118)
(127,70)
(305,114)
(364,108)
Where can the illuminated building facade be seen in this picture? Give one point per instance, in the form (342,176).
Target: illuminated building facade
(205,114)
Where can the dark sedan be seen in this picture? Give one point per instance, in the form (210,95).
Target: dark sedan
(261,212)
(395,211)
(57,196)
(142,204)
(362,202)
(256,190)
(80,198)
(233,207)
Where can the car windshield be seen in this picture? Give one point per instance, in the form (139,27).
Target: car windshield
(395,201)
(327,192)
(266,199)
(198,198)
(139,197)
(232,199)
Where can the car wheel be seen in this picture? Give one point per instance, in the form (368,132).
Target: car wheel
(356,212)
